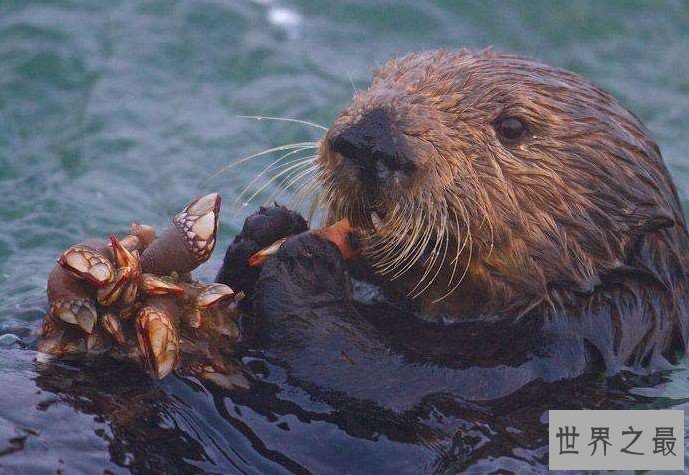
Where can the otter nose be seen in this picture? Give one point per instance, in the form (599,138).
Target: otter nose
(371,146)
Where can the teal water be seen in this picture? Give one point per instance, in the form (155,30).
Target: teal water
(113,110)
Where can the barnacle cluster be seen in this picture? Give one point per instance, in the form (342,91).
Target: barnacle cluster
(135,295)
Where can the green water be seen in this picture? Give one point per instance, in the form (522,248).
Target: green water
(113,110)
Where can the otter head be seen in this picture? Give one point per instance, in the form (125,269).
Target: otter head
(495,180)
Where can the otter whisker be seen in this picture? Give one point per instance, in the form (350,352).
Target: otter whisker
(397,230)
(419,249)
(428,267)
(324,199)
(460,248)
(385,227)
(457,203)
(392,255)
(414,248)
(283,176)
(281,148)
(492,236)
(440,240)
(320,188)
(289,179)
(308,189)
(278,175)
(466,269)
(485,215)
(313,208)
(292,179)
(401,245)
(271,167)
(446,245)
(459,282)
(283,119)
(299,163)
(393,249)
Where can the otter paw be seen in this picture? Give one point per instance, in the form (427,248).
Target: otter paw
(305,270)
(261,229)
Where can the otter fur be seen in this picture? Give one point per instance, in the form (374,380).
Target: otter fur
(524,214)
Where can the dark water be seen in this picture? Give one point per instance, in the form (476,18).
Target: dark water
(113,110)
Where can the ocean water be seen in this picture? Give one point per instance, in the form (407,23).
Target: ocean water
(113,110)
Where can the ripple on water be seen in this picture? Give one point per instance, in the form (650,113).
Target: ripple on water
(115,110)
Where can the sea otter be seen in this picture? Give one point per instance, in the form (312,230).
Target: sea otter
(527,237)
(521,203)
(519,219)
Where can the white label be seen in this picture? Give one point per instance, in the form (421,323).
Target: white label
(616,440)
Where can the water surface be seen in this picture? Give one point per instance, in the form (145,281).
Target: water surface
(112,110)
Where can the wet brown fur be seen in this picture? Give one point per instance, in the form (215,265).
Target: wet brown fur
(579,223)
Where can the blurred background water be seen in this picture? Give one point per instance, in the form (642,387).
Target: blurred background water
(118,109)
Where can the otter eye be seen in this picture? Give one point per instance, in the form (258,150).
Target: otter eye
(511,129)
